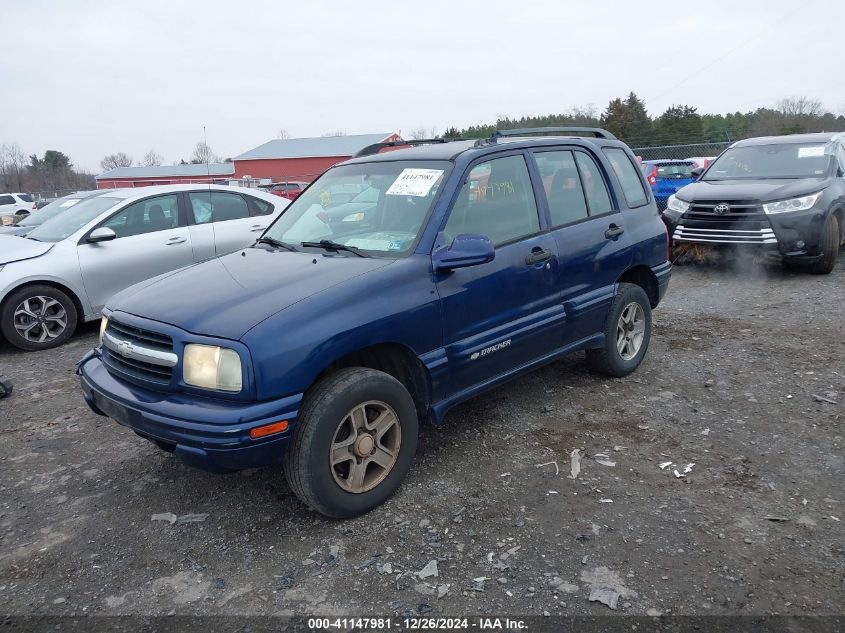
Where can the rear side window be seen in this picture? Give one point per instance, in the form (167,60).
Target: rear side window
(632,186)
(25,197)
(259,207)
(217,206)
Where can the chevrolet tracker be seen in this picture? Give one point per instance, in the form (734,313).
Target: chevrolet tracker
(327,342)
(784,194)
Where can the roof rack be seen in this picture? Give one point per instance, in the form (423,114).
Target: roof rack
(597,132)
(376,147)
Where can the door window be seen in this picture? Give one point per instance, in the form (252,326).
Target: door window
(595,188)
(259,207)
(632,186)
(7,200)
(217,206)
(147,216)
(497,200)
(562,184)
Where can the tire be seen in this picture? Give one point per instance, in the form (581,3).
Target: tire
(829,244)
(321,435)
(608,360)
(55,310)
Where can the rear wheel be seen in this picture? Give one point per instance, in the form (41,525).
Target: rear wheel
(354,442)
(829,244)
(627,333)
(38,317)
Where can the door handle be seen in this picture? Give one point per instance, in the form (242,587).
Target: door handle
(257,227)
(538,256)
(175,240)
(613,232)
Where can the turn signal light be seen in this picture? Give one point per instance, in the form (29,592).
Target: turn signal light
(268,429)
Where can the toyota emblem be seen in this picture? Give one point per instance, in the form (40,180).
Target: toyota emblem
(722,208)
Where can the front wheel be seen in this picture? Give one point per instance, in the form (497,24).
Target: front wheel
(829,242)
(38,317)
(627,333)
(353,443)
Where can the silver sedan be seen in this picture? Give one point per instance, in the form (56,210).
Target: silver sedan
(65,270)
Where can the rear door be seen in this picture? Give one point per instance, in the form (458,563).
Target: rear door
(500,315)
(151,239)
(237,220)
(589,232)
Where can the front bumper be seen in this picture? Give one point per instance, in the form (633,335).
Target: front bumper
(209,434)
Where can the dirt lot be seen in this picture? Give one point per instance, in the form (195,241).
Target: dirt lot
(745,379)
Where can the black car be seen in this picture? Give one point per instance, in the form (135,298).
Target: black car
(785,194)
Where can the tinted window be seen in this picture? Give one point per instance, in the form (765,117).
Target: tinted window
(7,200)
(260,207)
(217,205)
(147,216)
(674,170)
(496,200)
(563,187)
(632,186)
(595,188)
(25,197)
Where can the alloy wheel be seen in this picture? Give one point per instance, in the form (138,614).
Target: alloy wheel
(630,331)
(39,319)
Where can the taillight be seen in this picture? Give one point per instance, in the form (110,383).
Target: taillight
(652,180)
(34,207)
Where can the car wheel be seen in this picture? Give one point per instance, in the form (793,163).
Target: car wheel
(38,317)
(627,333)
(353,443)
(829,244)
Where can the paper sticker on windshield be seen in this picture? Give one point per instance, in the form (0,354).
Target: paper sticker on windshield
(69,203)
(414,182)
(809,152)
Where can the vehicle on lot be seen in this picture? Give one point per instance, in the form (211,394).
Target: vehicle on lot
(700,162)
(326,343)
(15,204)
(48,212)
(65,270)
(784,194)
(667,176)
(289,190)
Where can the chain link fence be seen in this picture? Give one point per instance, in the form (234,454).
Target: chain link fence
(680,152)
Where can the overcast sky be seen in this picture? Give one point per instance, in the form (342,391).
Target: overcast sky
(95,77)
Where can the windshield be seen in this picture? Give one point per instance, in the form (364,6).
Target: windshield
(66,224)
(49,211)
(783,160)
(399,196)
(674,170)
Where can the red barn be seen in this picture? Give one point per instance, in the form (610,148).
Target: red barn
(303,159)
(215,173)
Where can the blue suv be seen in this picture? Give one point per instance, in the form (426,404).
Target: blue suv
(326,343)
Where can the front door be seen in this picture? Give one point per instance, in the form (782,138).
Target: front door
(503,314)
(150,241)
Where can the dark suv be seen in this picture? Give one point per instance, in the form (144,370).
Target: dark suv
(785,194)
(325,343)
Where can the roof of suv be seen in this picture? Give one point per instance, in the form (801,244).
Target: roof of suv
(449,150)
(817,137)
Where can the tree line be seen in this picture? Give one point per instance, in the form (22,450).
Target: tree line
(51,173)
(628,119)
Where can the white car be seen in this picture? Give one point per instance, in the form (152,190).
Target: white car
(65,270)
(12,204)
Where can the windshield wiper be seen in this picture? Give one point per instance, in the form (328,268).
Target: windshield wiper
(335,246)
(272,241)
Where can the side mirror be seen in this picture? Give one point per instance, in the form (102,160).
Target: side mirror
(697,171)
(464,251)
(101,234)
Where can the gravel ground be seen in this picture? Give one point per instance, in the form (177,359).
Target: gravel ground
(744,381)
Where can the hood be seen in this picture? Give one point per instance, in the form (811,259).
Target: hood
(15,229)
(227,296)
(758,190)
(14,248)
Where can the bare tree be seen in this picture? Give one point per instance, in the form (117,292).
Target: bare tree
(335,133)
(12,167)
(421,133)
(203,154)
(113,161)
(800,106)
(283,133)
(152,159)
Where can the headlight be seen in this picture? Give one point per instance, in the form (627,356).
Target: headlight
(104,323)
(212,367)
(676,204)
(794,204)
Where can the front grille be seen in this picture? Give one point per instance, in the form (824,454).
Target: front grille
(138,354)
(685,233)
(737,210)
(743,222)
